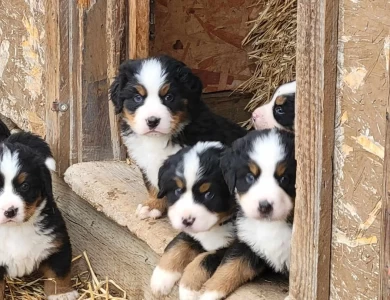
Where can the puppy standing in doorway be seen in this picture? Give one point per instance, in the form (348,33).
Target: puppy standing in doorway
(203,209)
(260,169)
(159,99)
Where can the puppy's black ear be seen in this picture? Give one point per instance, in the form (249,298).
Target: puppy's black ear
(115,89)
(192,85)
(228,171)
(163,178)
(4,131)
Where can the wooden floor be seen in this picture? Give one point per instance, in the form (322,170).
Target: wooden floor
(99,208)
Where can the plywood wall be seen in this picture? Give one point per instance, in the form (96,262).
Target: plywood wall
(207,36)
(363,64)
(22,63)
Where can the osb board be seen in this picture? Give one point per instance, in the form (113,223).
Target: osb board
(207,36)
(22,58)
(363,64)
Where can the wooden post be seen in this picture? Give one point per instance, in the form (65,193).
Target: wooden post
(315,104)
(139,14)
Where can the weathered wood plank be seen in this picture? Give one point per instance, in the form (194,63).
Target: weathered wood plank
(128,247)
(138,28)
(316,94)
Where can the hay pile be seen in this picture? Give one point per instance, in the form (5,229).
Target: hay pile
(271,45)
(86,283)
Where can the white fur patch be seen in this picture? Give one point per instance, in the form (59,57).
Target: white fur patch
(24,246)
(50,163)
(144,212)
(217,237)
(270,240)
(9,168)
(268,150)
(186,294)
(212,295)
(73,295)
(162,281)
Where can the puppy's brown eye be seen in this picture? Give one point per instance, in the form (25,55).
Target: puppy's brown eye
(284,180)
(25,187)
(168,97)
(138,98)
(279,110)
(249,178)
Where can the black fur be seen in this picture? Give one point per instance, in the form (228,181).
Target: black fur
(285,114)
(212,261)
(4,131)
(189,240)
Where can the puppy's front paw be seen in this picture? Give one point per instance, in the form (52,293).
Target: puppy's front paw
(211,295)
(73,295)
(163,281)
(187,294)
(144,212)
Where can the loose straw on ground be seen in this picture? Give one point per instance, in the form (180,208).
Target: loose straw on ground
(272,47)
(86,283)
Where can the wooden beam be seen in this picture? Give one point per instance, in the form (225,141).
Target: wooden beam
(139,14)
(385,224)
(316,101)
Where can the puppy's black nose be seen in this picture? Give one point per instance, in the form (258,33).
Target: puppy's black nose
(11,212)
(188,222)
(265,207)
(153,122)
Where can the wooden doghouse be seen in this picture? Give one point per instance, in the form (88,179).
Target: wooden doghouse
(57,59)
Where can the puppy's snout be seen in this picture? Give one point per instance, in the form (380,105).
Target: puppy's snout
(188,221)
(153,122)
(265,207)
(11,212)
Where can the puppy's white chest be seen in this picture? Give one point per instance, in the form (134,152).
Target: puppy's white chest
(216,238)
(150,152)
(269,240)
(23,248)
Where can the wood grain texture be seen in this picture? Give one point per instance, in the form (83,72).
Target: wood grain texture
(316,93)
(385,229)
(363,92)
(138,28)
(207,36)
(128,247)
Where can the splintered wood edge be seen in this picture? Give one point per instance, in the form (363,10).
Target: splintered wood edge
(116,189)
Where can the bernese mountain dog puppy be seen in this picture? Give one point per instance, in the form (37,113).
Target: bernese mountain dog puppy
(159,100)
(260,169)
(279,112)
(201,206)
(32,231)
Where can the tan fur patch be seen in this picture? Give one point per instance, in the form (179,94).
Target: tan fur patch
(254,168)
(204,187)
(141,90)
(21,177)
(224,216)
(230,276)
(178,257)
(57,285)
(179,182)
(154,203)
(164,89)
(280,100)
(129,117)
(195,275)
(178,119)
(280,169)
(30,208)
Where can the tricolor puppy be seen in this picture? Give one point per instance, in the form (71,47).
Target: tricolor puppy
(202,208)
(260,169)
(32,231)
(279,112)
(159,99)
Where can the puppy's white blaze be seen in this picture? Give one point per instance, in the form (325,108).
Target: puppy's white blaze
(212,295)
(187,294)
(73,295)
(185,208)
(50,163)
(267,152)
(269,240)
(151,75)
(163,281)
(9,167)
